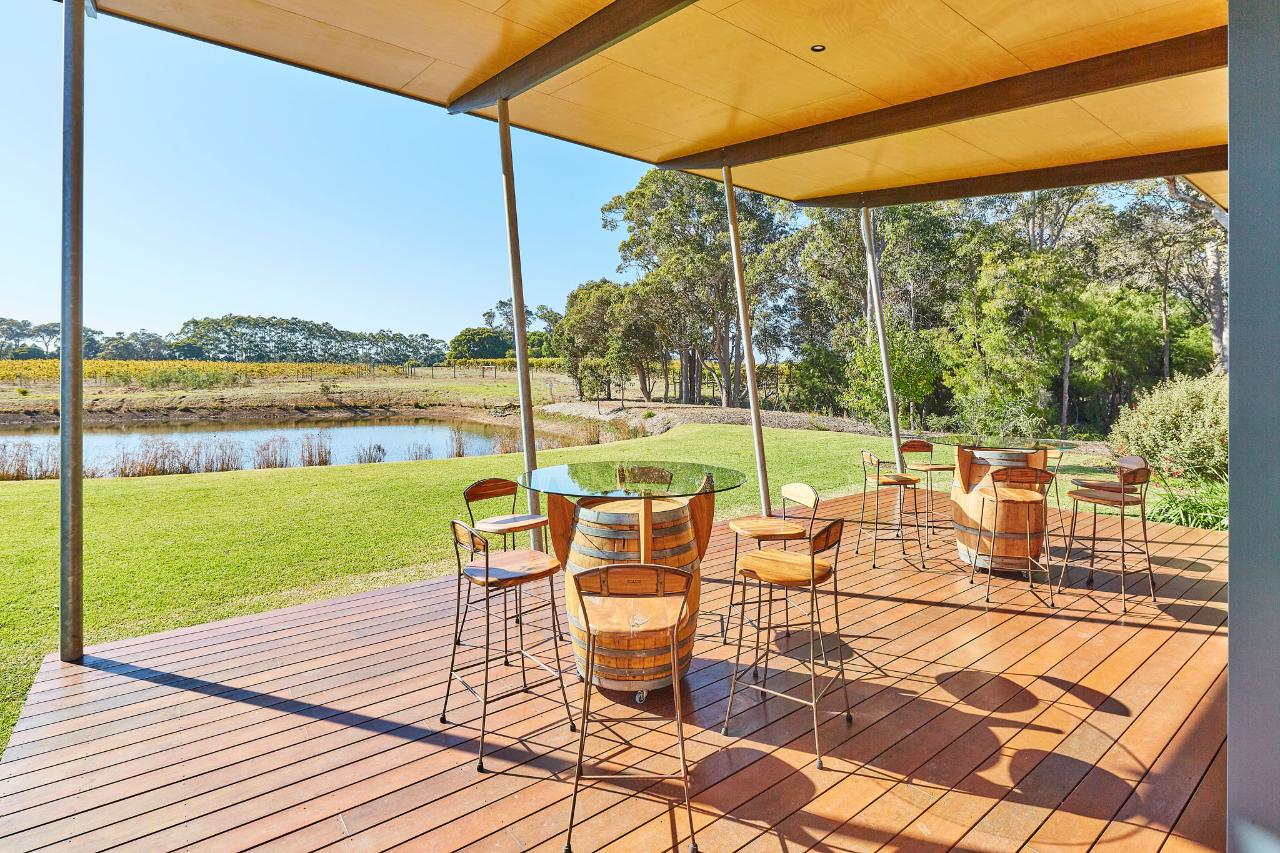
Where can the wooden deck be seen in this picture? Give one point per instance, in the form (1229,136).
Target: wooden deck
(983,727)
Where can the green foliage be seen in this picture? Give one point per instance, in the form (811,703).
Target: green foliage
(916,368)
(1180,426)
(1203,504)
(478,342)
(815,381)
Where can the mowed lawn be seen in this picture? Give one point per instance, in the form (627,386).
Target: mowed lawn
(165,552)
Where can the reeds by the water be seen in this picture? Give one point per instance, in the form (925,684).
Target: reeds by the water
(272,453)
(155,457)
(24,460)
(419,450)
(316,449)
(370,453)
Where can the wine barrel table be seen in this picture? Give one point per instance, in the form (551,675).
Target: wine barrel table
(631,512)
(974,517)
(608,530)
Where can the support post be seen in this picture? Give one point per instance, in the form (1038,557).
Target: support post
(527,438)
(71,384)
(1253,689)
(748,353)
(877,312)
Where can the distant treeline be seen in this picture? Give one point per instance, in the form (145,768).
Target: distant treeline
(235,338)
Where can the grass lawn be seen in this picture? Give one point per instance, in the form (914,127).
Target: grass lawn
(164,552)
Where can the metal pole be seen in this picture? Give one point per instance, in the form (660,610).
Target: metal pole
(517,307)
(877,311)
(71,403)
(744,323)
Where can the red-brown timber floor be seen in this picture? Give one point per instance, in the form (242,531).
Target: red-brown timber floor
(977,726)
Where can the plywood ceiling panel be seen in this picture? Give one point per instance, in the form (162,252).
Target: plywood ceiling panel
(1185,112)
(895,50)
(1214,185)
(723,71)
(1047,135)
(714,58)
(1053,33)
(282,34)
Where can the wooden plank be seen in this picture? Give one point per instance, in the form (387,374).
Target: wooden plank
(1076,174)
(353,754)
(1202,51)
(605,28)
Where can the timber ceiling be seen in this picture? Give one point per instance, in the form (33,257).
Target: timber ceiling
(719,72)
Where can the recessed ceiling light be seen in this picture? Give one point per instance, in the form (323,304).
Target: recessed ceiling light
(818,48)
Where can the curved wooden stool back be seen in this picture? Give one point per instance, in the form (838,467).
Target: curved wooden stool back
(641,600)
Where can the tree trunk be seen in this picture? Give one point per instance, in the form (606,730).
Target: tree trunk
(1218,308)
(666,375)
(1164,326)
(1066,378)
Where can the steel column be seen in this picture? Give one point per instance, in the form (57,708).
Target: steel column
(527,437)
(744,323)
(71,384)
(877,311)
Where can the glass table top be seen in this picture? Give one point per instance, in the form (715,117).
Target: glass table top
(995,442)
(639,479)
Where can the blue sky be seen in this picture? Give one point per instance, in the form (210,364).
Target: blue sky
(217,182)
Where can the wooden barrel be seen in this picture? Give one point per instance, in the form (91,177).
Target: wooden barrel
(975,519)
(607,530)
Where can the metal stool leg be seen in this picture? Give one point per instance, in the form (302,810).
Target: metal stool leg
(684,764)
(813,671)
(737,657)
(1146,546)
(844,681)
(1071,543)
(862,518)
(555,632)
(991,566)
(453,653)
(582,739)
(915,518)
(484,700)
(1093,546)
(1124,546)
(875,529)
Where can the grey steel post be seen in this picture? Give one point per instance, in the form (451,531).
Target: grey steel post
(877,311)
(1253,690)
(527,437)
(744,323)
(71,402)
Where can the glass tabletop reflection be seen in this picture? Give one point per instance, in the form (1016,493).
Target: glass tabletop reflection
(995,442)
(640,479)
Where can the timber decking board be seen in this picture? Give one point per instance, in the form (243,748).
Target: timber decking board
(988,726)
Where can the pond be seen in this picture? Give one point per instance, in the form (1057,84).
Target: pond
(134,449)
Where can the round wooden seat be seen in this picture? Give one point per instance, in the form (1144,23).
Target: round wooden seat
(1103,485)
(512,568)
(504,524)
(896,479)
(925,467)
(1011,495)
(784,568)
(767,528)
(1106,498)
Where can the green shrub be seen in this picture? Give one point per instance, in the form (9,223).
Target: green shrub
(1180,426)
(1203,505)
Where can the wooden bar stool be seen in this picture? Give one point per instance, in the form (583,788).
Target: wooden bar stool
(872,472)
(498,574)
(506,524)
(1129,489)
(1024,490)
(771,528)
(927,467)
(794,570)
(645,606)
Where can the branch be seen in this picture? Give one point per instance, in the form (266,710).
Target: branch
(1198,202)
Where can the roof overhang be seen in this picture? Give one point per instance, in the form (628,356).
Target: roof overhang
(920,94)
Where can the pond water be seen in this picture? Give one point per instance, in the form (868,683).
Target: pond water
(347,440)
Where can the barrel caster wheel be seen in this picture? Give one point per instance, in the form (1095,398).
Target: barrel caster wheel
(641,695)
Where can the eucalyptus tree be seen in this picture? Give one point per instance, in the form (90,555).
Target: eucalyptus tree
(677,233)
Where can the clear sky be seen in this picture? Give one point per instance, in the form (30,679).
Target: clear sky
(218,183)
